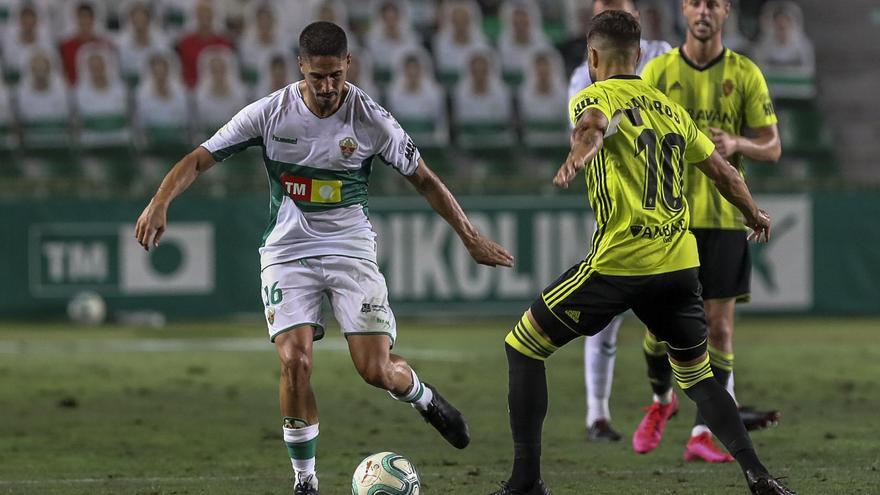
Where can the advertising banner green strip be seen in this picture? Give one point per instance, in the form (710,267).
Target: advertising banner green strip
(822,258)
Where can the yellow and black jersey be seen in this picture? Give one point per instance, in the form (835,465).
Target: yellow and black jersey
(729,93)
(635,182)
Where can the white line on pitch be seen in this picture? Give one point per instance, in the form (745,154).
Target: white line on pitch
(185,479)
(199,479)
(195,345)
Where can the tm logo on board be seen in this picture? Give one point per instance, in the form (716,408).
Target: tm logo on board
(67,257)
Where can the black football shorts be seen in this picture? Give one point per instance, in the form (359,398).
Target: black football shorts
(582,302)
(725,263)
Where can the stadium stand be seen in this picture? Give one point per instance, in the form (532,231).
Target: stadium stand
(263,38)
(541,100)
(417,100)
(459,33)
(657,21)
(784,53)
(521,36)
(26,31)
(89,27)
(733,37)
(391,34)
(138,37)
(483,114)
(277,70)
(162,116)
(205,32)
(468,79)
(361,73)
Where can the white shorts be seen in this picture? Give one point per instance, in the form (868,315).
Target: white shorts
(293,293)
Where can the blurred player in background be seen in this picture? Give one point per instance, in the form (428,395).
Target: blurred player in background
(600,350)
(319,137)
(634,144)
(727,97)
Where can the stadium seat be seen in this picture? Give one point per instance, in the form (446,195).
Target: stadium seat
(7,136)
(11,76)
(110,168)
(546,134)
(513,78)
(791,85)
(47,134)
(163,138)
(485,135)
(801,127)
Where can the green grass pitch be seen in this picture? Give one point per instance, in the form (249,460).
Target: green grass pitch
(192,409)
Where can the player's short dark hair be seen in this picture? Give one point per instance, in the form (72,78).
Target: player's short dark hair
(616,29)
(321,39)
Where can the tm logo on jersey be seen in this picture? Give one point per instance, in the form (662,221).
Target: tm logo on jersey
(665,232)
(312,190)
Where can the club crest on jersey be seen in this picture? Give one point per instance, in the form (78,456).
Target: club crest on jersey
(348,146)
(727,87)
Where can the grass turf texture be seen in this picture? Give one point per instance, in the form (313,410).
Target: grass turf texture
(193,409)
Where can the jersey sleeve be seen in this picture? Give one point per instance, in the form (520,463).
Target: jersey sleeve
(243,131)
(651,71)
(698,146)
(393,145)
(759,106)
(592,97)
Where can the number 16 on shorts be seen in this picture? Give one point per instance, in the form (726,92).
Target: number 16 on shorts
(272,296)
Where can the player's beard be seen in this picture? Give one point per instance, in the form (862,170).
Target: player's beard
(704,35)
(328,101)
(592,73)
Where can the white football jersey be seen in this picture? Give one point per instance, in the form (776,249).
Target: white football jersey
(651,49)
(318,170)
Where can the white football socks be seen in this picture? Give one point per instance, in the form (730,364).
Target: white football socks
(664,399)
(301,446)
(600,351)
(699,430)
(418,394)
(730,388)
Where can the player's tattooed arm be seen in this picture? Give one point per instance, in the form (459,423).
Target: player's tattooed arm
(151,224)
(586,141)
(734,189)
(482,249)
(762,144)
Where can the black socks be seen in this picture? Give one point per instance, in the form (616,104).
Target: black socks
(527,403)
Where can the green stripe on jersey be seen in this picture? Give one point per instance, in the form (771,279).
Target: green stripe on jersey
(228,151)
(353,192)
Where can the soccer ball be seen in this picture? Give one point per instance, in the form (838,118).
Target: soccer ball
(385,473)
(87,308)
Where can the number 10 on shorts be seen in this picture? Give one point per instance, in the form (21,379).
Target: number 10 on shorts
(273,295)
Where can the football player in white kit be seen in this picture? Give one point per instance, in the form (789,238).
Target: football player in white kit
(601,349)
(319,137)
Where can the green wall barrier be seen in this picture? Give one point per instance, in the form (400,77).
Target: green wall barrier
(847,247)
(822,258)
